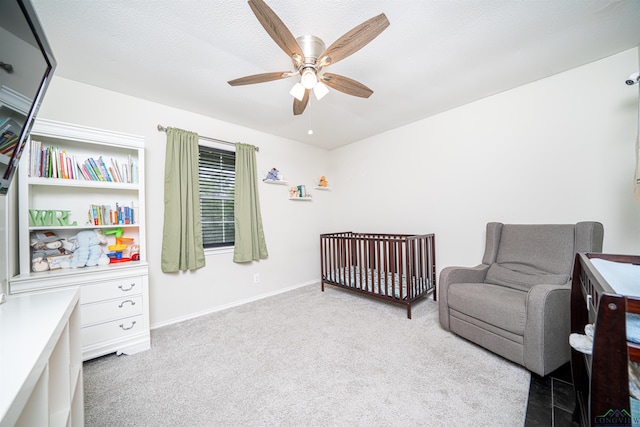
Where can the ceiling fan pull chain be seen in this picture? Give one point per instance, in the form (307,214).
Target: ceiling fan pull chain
(310,131)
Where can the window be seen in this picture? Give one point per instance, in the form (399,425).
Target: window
(217,176)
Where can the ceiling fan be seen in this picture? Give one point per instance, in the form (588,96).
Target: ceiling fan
(310,56)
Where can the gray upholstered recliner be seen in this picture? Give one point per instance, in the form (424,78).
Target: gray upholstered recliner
(516,303)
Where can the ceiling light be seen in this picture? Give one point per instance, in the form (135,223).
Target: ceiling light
(297,91)
(308,78)
(320,90)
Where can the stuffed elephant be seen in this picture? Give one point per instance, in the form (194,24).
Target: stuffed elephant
(88,251)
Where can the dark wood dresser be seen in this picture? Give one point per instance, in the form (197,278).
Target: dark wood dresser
(601,380)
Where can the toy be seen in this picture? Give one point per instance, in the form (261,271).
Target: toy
(323,181)
(273,175)
(39,262)
(48,250)
(122,250)
(88,251)
(294,192)
(134,252)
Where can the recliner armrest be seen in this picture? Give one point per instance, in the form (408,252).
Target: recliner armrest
(547,326)
(463,274)
(450,275)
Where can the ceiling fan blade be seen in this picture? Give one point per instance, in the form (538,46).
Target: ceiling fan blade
(277,30)
(346,85)
(354,40)
(260,78)
(299,106)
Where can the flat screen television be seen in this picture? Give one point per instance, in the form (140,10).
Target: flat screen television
(26,67)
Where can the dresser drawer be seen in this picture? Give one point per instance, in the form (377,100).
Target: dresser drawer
(116,329)
(120,308)
(118,288)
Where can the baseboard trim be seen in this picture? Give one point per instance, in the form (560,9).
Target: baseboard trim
(233,304)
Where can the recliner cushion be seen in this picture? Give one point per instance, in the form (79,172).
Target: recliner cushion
(497,305)
(529,255)
(522,277)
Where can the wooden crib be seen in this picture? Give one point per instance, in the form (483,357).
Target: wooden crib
(601,380)
(393,267)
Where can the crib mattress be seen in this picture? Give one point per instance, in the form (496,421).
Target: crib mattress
(371,280)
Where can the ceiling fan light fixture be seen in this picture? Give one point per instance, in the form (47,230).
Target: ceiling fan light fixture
(308,78)
(297,91)
(310,55)
(320,90)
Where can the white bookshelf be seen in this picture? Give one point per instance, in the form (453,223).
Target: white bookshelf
(76,196)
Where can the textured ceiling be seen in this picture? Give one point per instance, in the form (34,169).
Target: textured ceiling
(435,55)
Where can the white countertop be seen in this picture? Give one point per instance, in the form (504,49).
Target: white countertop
(30,326)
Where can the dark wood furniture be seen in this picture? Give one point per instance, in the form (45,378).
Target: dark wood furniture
(394,267)
(601,379)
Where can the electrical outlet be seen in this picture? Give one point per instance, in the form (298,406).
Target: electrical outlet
(256,278)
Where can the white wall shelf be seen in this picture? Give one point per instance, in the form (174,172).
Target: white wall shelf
(55,182)
(301,199)
(322,188)
(77,228)
(274,182)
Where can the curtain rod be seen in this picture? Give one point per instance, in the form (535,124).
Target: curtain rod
(219,141)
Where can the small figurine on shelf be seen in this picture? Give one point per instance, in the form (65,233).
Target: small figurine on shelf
(294,192)
(273,175)
(323,181)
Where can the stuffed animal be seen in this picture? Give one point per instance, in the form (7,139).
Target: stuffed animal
(323,181)
(272,175)
(47,244)
(294,192)
(39,262)
(88,252)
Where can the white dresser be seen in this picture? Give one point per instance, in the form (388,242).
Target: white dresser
(115,315)
(40,360)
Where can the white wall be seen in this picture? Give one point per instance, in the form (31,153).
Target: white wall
(559,150)
(291,228)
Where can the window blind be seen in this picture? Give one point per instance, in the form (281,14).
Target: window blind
(217,176)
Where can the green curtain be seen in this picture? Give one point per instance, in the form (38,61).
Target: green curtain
(182,234)
(249,242)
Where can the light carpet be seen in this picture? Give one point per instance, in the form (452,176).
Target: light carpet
(307,358)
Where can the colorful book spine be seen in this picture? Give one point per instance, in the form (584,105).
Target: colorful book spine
(116,169)
(87,167)
(96,170)
(103,169)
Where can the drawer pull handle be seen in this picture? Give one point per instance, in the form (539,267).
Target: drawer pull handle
(126,290)
(126,301)
(126,329)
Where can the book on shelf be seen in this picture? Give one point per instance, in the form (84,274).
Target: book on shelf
(51,162)
(96,170)
(104,170)
(116,170)
(105,215)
